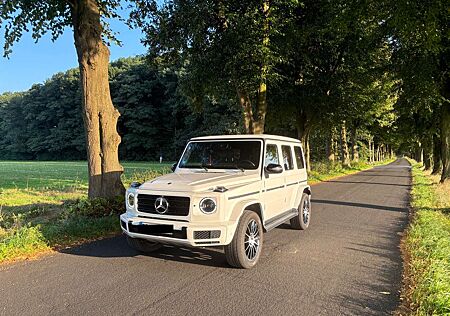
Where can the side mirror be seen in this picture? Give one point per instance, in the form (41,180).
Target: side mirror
(174,166)
(273,168)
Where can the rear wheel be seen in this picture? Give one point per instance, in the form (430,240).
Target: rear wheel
(245,248)
(301,221)
(143,245)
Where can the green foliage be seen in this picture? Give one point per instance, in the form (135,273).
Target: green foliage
(45,122)
(221,45)
(427,289)
(98,207)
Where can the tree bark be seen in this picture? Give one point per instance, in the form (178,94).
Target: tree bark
(259,123)
(445,142)
(426,153)
(373,151)
(330,147)
(345,155)
(303,131)
(418,153)
(355,153)
(247,110)
(99,115)
(437,162)
(377,158)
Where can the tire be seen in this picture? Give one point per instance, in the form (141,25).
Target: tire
(245,248)
(143,245)
(302,220)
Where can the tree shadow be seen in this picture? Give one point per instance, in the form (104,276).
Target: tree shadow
(362,205)
(380,295)
(377,174)
(374,183)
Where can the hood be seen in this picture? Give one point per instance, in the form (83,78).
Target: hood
(199,181)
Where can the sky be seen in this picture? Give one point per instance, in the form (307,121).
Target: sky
(32,62)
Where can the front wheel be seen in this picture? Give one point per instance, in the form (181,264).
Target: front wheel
(301,221)
(143,245)
(245,248)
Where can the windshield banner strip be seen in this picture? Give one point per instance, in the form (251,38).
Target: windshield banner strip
(242,195)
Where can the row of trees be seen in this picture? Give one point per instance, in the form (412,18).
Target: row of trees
(376,73)
(45,122)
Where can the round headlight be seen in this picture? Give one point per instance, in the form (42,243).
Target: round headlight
(130,200)
(208,205)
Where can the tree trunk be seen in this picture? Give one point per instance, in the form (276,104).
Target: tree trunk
(437,162)
(345,155)
(355,153)
(377,157)
(427,153)
(418,153)
(373,151)
(445,142)
(259,123)
(303,131)
(99,115)
(247,111)
(330,146)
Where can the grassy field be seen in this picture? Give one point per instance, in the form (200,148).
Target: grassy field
(43,205)
(60,175)
(426,248)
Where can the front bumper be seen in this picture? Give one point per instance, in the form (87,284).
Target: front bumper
(174,232)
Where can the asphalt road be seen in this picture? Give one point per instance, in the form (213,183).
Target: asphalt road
(347,263)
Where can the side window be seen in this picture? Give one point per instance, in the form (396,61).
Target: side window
(287,157)
(271,155)
(299,157)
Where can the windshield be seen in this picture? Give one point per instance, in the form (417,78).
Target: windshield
(222,155)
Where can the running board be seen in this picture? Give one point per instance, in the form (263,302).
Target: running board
(280,219)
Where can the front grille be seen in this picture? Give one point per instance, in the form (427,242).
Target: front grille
(206,234)
(178,205)
(123,224)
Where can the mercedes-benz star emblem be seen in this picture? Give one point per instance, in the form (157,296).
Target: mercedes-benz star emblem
(161,205)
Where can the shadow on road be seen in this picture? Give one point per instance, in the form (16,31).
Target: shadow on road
(118,247)
(374,183)
(362,205)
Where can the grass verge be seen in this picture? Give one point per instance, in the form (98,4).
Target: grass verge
(426,248)
(322,171)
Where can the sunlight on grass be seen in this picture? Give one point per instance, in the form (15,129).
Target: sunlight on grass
(43,205)
(427,245)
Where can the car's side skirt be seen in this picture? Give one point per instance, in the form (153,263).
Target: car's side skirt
(280,219)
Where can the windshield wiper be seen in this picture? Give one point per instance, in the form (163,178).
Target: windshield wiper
(204,167)
(237,167)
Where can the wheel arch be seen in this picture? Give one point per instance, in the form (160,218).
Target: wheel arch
(239,208)
(307,190)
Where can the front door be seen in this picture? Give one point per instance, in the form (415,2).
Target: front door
(273,192)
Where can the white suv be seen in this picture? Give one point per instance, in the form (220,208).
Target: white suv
(224,191)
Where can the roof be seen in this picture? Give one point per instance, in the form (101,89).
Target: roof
(248,136)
